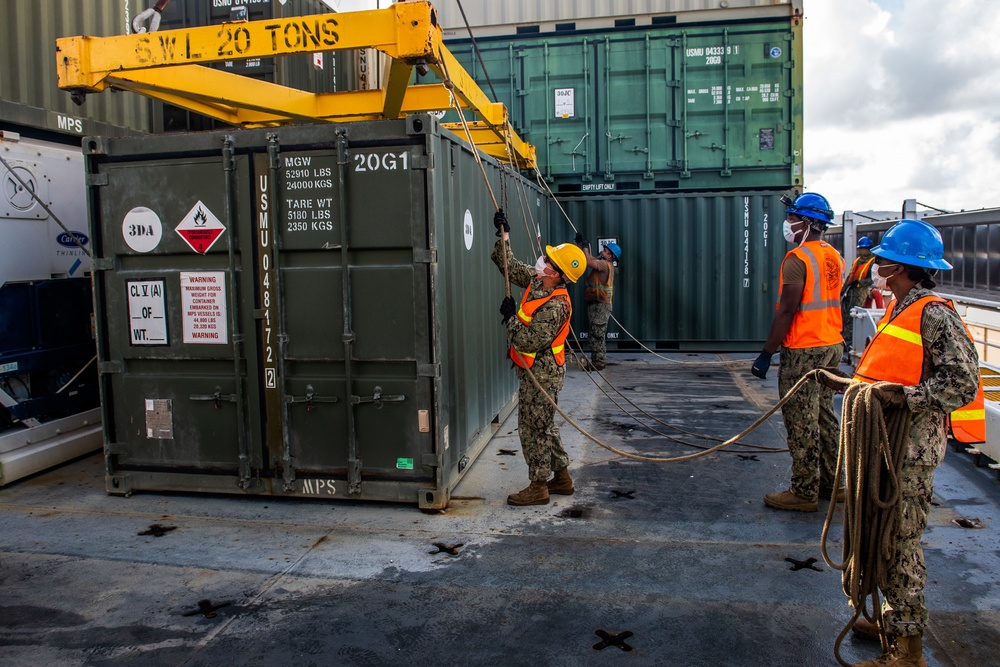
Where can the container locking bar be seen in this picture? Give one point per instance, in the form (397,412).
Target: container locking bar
(378,399)
(218,397)
(310,398)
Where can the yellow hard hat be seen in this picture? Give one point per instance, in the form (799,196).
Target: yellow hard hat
(569,258)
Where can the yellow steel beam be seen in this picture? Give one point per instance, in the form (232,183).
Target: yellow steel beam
(167,65)
(487,139)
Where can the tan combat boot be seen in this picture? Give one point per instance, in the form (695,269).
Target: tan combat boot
(786,500)
(561,484)
(905,652)
(537,493)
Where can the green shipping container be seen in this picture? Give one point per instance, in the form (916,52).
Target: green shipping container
(661,107)
(698,271)
(304,311)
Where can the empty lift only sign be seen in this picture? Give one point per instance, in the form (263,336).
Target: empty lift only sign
(146,312)
(203,307)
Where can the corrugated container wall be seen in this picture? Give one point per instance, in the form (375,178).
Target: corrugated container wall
(29,94)
(650,104)
(698,271)
(313,315)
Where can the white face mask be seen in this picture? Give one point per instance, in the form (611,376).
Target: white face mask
(540,266)
(786,230)
(880,282)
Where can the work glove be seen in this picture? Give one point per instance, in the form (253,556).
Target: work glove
(761,365)
(507,308)
(500,222)
(889,395)
(580,240)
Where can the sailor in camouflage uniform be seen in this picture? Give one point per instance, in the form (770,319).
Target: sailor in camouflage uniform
(807,327)
(857,288)
(536,332)
(924,345)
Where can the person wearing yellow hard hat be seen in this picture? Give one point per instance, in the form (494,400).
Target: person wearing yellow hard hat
(536,333)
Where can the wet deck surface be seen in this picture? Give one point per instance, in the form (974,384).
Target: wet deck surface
(684,556)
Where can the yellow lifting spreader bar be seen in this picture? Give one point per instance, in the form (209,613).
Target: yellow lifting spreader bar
(168,65)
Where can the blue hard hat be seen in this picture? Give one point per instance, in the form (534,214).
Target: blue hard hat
(913,242)
(811,205)
(615,249)
(865,242)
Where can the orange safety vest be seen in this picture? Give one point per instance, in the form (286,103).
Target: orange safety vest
(817,323)
(526,313)
(896,354)
(597,292)
(860,270)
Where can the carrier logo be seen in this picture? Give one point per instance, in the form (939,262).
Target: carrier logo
(66,240)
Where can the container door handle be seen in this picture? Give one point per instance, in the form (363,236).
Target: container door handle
(377,398)
(218,397)
(310,398)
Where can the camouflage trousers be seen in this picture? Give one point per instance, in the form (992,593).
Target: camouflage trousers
(540,442)
(903,607)
(597,317)
(854,297)
(810,422)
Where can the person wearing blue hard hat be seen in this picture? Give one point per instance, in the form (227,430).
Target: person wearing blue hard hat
(857,287)
(597,295)
(926,362)
(807,327)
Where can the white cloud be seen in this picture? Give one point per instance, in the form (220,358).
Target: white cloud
(902,100)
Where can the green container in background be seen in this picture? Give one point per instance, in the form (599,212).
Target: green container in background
(663,107)
(698,271)
(306,310)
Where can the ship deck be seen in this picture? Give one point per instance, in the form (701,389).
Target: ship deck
(684,556)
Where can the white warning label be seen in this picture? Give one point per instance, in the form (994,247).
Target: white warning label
(147,312)
(203,306)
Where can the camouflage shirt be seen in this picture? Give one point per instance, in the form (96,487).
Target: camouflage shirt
(547,320)
(949,380)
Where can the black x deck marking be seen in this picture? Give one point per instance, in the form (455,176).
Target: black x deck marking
(506,452)
(156,530)
(803,564)
(615,493)
(444,548)
(611,639)
(207,609)
(748,457)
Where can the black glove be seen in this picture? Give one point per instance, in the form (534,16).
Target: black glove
(889,395)
(507,308)
(500,222)
(580,240)
(761,365)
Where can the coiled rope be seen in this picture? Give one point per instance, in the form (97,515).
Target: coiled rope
(872,448)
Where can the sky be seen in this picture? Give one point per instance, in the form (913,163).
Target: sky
(902,101)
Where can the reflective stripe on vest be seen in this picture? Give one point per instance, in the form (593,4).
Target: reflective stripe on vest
(526,313)
(595,291)
(860,270)
(817,322)
(896,354)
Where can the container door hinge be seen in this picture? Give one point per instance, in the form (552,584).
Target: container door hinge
(94,180)
(102,264)
(422,161)
(425,255)
(429,460)
(107,367)
(429,370)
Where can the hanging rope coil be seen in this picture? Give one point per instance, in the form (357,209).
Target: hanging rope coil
(873,443)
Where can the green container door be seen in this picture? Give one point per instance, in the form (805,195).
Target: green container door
(303,311)
(676,108)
